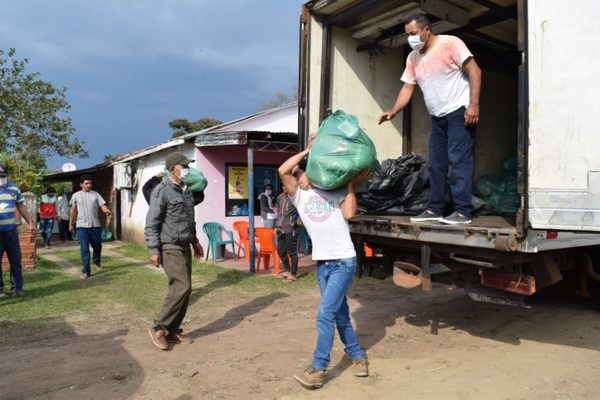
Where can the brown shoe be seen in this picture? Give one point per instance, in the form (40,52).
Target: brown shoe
(179,338)
(311,378)
(158,338)
(4,296)
(98,267)
(19,293)
(360,367)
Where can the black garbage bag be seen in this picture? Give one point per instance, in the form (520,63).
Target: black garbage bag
(397,187)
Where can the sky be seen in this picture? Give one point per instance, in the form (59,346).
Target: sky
(132,66)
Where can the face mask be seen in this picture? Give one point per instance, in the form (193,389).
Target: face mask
(415,43)
(3,181)
(184,173)
(269,192)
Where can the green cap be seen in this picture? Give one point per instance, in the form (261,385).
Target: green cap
(177,158)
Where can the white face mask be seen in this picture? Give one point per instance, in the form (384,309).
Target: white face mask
(269,192)
(415,43)
(183,173)
(3,181)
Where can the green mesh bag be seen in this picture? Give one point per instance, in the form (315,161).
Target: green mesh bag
(340,150)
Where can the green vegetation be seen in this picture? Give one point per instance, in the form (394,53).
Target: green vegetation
(122,292)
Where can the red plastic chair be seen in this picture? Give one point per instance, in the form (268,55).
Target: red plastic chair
(241,227)
(266,241)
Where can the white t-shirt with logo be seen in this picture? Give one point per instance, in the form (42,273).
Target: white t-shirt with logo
(323,219)
(440,76)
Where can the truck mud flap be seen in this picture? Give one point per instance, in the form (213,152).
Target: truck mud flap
(495,296)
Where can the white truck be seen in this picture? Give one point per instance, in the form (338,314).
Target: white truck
(540,63)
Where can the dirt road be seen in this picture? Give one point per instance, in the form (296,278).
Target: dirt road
(437,345)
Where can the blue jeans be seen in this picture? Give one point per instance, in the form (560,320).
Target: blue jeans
(9,242)
(451,157)
(89,236)
(46,228)
(335,278)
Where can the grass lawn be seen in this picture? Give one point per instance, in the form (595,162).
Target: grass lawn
(120,290)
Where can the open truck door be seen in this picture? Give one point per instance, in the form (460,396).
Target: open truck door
(563,172)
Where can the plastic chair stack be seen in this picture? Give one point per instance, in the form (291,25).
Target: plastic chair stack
(215,231)
(266,239)
(241,227)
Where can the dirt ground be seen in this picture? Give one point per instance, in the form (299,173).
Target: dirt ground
(421,345)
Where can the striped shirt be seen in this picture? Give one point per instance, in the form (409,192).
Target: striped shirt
(10,196)
(87,204)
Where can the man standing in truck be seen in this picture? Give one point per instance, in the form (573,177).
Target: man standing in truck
(324,215)
(450,80)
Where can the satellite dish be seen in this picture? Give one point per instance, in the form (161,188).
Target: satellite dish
(68,167)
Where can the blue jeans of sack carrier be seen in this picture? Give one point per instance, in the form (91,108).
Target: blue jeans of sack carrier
(89,236)
(451,159)
(335,278)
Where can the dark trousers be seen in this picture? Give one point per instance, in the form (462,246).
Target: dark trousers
(9,242)
(177,264)
(287,245)
(63,230)
(89,236)
(451,158)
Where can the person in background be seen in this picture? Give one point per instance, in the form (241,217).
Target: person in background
(287,236)
(324,215)
(450,80)
(48,213)
(63,217)
(170,231)
(84,216)
(267,213)
(11,200)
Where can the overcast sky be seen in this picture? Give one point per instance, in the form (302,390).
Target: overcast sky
(131,66)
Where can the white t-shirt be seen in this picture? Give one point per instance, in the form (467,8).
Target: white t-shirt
(323,219)
(87,204)
(440,76)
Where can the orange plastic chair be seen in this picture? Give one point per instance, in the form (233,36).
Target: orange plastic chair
(266,240)
(367,249)
(241,227)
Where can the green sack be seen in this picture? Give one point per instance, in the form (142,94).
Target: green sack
(196,181)
(510,164)
(340,151)
(506,203)
(107,235)
(488,185)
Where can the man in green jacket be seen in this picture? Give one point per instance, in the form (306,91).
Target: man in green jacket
(170,230)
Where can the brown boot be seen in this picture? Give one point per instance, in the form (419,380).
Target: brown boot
(179,338)
(311,378)
(360,367)
(158,338)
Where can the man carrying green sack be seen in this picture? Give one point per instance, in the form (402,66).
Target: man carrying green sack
(195,181)
(339,152)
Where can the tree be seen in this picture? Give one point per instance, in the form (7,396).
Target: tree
(33,117)
(182,126)
(279,98)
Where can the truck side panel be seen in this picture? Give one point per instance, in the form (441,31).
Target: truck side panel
(564,166)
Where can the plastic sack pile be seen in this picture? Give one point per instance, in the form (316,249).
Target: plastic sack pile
(401,187)
(501,191)
(340,151)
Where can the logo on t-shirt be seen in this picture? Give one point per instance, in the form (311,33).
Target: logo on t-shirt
(318,209)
